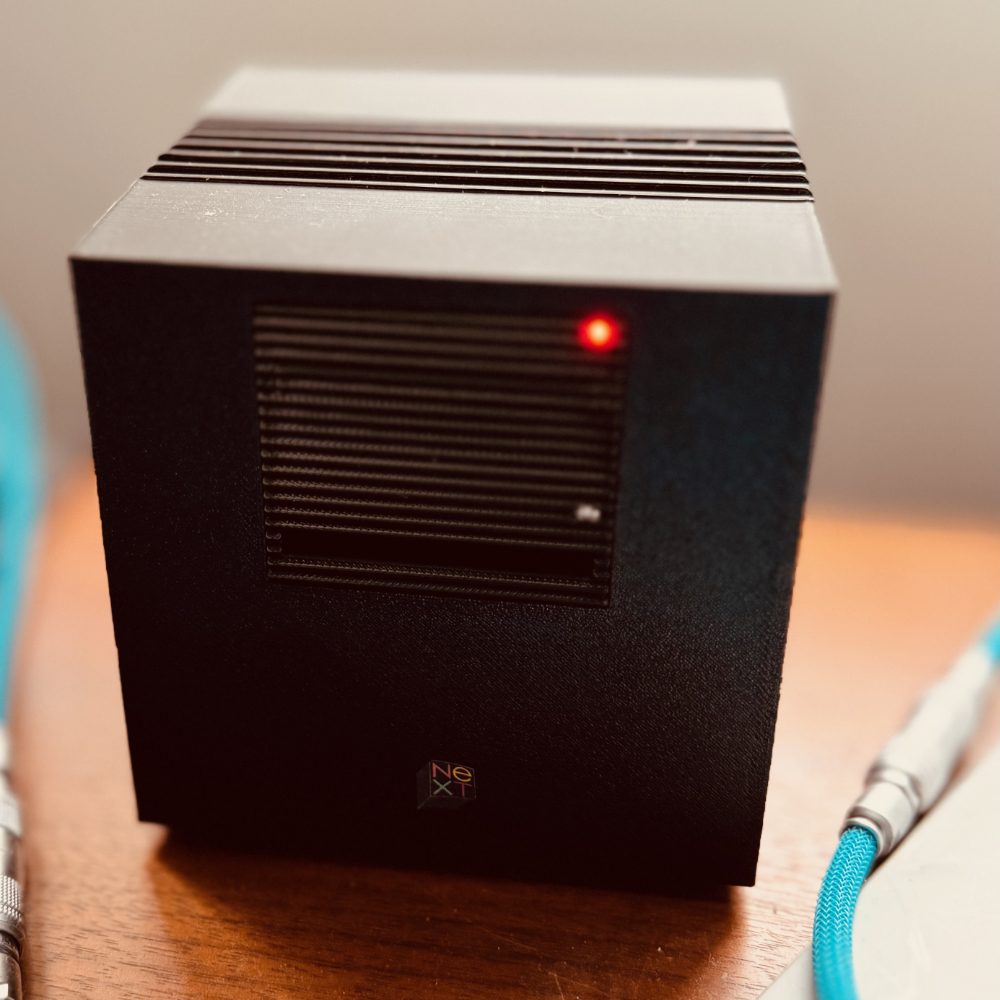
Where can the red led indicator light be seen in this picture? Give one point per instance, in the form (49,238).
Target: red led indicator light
(599,333)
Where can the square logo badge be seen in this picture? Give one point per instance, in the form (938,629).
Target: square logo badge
(442,785)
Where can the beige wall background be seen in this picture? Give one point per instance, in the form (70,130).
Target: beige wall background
(896,110)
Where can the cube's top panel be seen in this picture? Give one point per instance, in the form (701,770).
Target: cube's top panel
(641,182)
(501,99)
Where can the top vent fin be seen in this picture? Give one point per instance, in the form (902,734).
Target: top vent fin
(745,166)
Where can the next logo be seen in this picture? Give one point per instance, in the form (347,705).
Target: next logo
(444,785)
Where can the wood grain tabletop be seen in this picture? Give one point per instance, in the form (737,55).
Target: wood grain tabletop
(118,908)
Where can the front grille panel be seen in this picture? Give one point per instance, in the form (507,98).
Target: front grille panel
(440,453)
(756,166)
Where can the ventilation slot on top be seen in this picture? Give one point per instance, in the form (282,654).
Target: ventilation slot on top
(446,454)
(755,166)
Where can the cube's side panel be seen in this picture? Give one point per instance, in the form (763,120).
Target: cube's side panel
(164,390)
(722,405)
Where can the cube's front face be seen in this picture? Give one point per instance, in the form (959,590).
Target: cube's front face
(359,529)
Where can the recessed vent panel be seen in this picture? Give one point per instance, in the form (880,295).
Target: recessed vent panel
(754,166)
(454,454)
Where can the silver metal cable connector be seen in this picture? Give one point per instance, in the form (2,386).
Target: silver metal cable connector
(911,771)
(11,881)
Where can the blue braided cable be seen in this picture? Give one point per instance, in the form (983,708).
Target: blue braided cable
(20,489)
(833,966)
(990,643)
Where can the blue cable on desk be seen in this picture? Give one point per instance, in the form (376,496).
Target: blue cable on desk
(904,782)
(833,968)
(20,494)
(20,490)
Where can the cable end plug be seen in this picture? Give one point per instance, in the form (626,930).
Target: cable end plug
(889,806)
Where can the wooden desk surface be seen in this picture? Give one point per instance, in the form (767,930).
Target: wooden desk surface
(117,909)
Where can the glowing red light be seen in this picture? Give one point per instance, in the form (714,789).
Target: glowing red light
(599,333)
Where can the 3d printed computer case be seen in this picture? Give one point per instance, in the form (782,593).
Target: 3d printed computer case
(385,531)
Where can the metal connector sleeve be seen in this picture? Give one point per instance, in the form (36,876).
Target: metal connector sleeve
(11,912)
(10,968)
(10,811)
(11,907)
(914,766)
(10,856)
(929,745)
(888,808)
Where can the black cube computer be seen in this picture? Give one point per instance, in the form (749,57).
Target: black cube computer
(452,434)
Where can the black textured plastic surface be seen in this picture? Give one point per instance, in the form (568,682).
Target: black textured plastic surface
(626,745)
